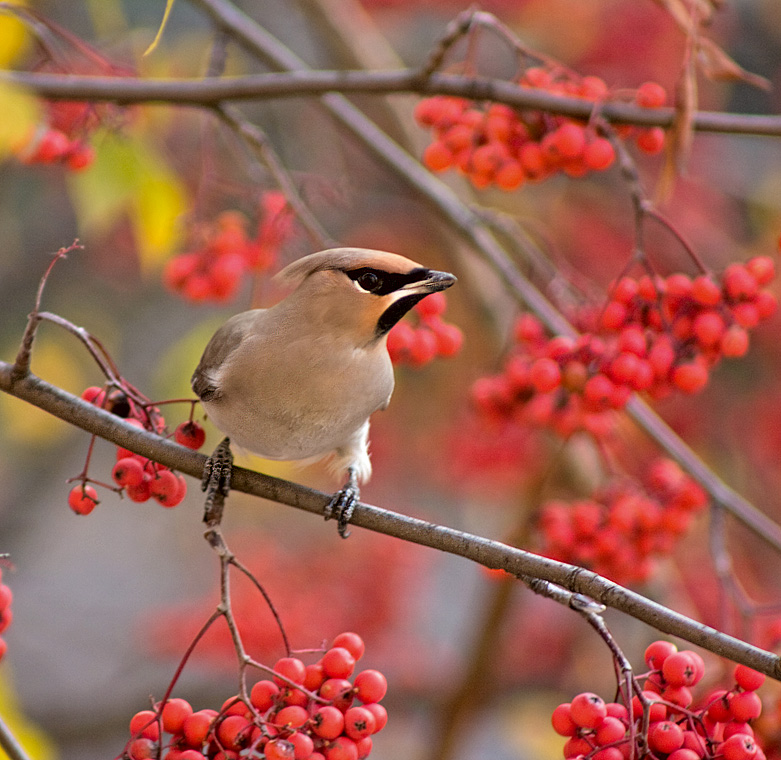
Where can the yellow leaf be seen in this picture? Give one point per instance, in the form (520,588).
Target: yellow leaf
(54,360)
(168,6)
(129,177)
(20,116)
(34,741)
(14,37)
(158,203)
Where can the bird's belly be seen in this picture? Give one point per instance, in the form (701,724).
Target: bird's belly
(281,436)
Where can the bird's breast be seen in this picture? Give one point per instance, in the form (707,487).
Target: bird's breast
(303,404)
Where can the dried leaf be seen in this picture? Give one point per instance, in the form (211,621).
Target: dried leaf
(717,65)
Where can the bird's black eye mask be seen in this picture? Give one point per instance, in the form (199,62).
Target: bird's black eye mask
(382,283)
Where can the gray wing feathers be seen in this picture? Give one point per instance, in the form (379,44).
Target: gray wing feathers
(205,379)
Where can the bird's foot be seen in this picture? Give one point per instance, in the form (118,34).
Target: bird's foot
(216,482)
(342,505)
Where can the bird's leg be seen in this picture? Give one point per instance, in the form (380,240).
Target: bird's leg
(343,502)
(216,482)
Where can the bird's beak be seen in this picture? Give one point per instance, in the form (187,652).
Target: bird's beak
(434,281)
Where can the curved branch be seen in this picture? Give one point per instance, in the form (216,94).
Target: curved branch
(492,554)
(211,91)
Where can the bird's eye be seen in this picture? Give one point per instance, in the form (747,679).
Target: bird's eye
(369,281)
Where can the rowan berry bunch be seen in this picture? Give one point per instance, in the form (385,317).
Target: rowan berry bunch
(64,133)
(655,334)
(417,345)
(660,721)
(304,712)
(225,252)
(6,614)
(623,528)
(139,478)
(494,144)
(552,382)
(682,326)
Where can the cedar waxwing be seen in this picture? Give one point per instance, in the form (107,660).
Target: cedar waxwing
(299,381)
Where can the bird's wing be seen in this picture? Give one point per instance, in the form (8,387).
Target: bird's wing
(205,379)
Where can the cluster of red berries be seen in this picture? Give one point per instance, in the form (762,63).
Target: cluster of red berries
(49,145)
(226,253)
(432,337)
(661,718)
(655,335)
(139,478)
(304,712)
(619,531)
(680,326)
(6,615)
(496,144)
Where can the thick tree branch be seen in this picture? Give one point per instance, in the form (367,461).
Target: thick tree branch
(307,83)
(485,551)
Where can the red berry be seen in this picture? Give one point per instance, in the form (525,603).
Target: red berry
(690,377)
(303,745)
(291,669)
(562,722)
(705,291)
(679,669)
(433,305)
(380,715)
(718,706)
(263,694)
(328,722)
(650,140)
(734,342)
(196,727)
(437,157)
(358,723)
(739,747)
(338,691)
(763,268)
(658,652)
(343,748)
(314,677)
(128,471)
(174,713)
(166,488)
(665,737)
(748,679)
(352,642)
(449,338)
(599,154)
(144,724)
(610,730)
(83,499)
(190,434)
(338,663)
(291,716)
(280,749)
(545,375)
(233,731)
(370,686)
(651,95)
(745,706)
(588,710)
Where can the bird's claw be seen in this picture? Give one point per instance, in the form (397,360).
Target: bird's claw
(342,506)
(216,480)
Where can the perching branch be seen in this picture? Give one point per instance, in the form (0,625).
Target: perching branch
(492,554)
(307,83)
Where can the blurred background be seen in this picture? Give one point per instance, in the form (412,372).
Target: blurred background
(105,605)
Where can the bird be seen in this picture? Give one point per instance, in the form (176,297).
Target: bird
(298,381)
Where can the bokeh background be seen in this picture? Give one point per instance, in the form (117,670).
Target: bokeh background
(105,605)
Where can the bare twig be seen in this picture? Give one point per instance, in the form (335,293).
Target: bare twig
(307,83)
